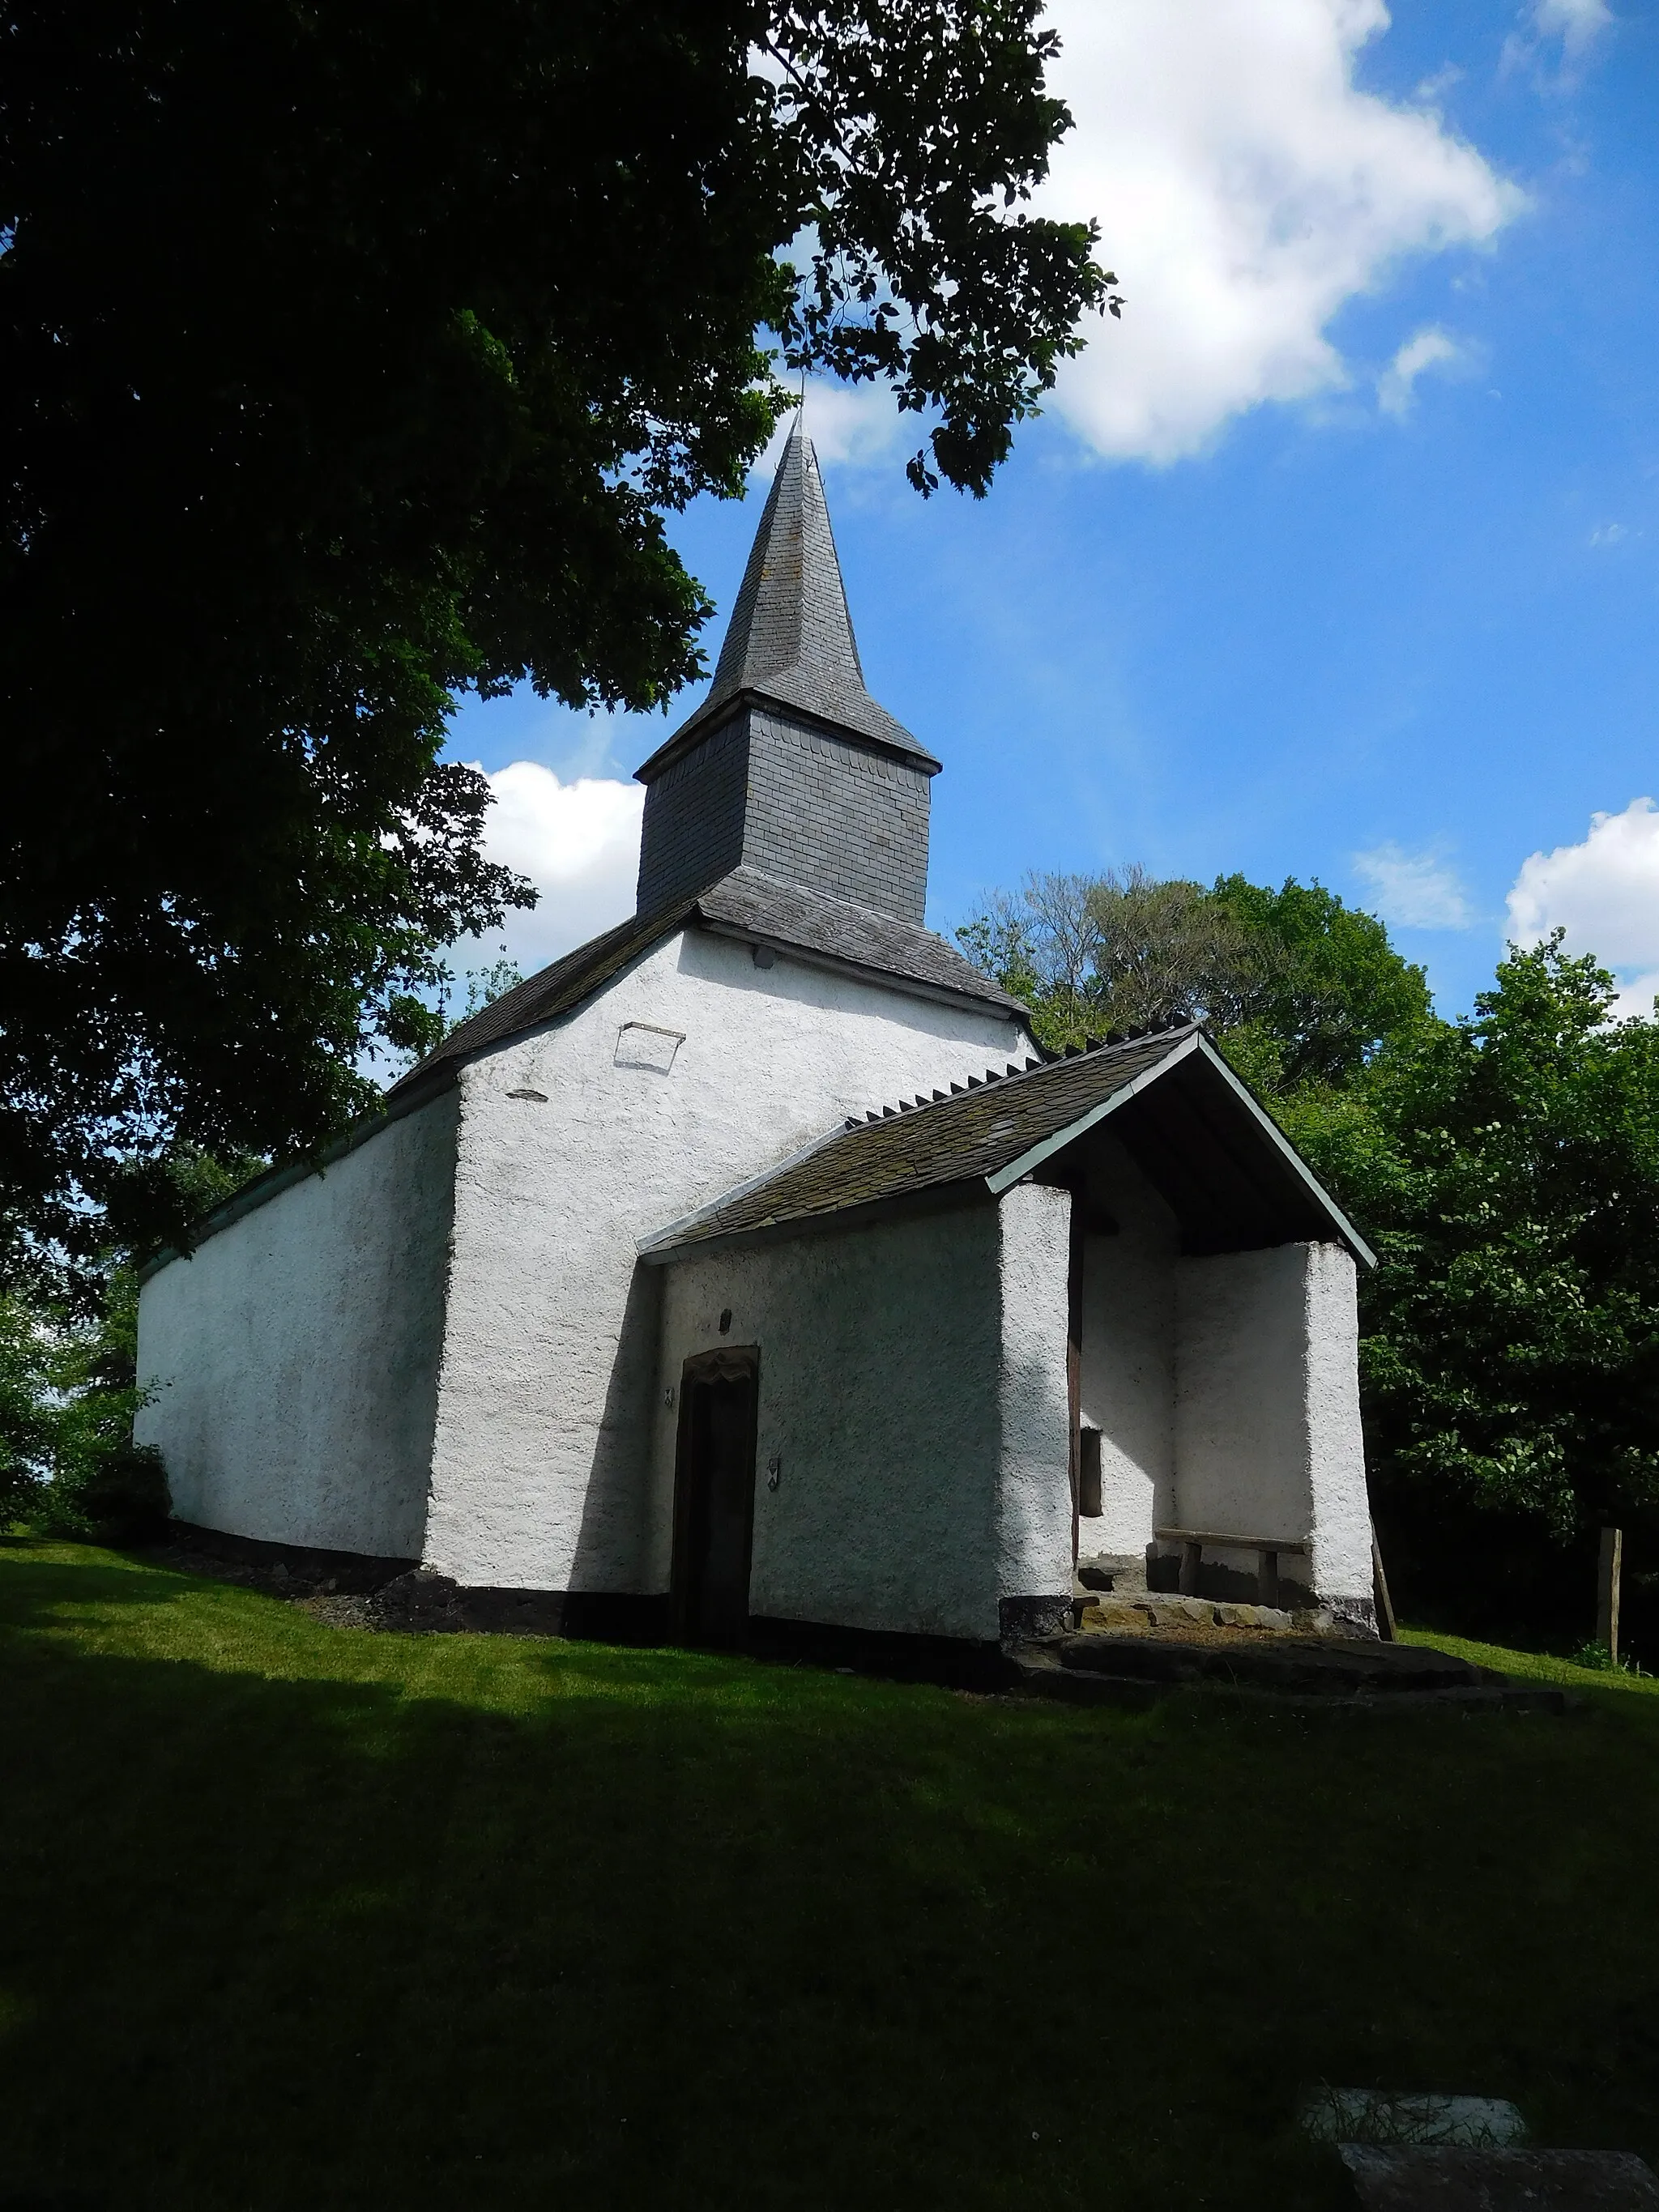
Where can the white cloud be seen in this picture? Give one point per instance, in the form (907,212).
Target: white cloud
(854,424)
(1426,349)
(1605,894)
(1577,23)
(1414,891)
(1246,190)
(578,842)
(1434,88)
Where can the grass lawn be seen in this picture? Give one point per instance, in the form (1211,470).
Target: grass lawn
(299,1917)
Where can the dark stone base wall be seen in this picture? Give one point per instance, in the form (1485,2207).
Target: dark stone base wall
(1018,1618)
(431,1604)
(407,1597)
(426,1603)
(956,1662)
(353,1573)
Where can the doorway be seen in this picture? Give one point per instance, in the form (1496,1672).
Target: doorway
(714,1494)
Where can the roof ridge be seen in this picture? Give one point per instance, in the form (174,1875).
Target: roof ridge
(882,940)
(904,953)
(1114,1040)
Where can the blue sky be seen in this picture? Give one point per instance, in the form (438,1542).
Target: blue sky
(1340,559)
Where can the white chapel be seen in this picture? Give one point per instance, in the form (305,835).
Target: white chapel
(751,1270)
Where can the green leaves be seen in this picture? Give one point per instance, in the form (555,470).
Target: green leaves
(352,358)
(68,1394)
(1303,989)
(1510,1172)
(915,131)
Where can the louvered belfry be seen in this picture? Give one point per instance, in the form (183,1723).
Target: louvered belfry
(789,767)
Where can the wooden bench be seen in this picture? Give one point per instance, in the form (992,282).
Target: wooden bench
(1194,1542)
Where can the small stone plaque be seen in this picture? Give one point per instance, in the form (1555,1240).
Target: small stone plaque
(639,1044)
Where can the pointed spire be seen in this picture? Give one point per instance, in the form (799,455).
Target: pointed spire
(790,639)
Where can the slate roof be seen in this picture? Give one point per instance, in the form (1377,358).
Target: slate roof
(745,903)
(994,1133)
(969,1132)
(790,639)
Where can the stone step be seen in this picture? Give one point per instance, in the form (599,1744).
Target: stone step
(1114,1615)
(1134,1669)
(1309,1665)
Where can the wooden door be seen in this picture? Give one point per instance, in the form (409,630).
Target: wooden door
(715,1495)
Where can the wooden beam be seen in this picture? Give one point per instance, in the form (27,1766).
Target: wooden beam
(1213,1542)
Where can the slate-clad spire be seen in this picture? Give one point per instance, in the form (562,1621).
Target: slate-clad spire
(791,637)
(789,770)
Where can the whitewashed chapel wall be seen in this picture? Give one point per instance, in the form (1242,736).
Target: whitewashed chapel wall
(879,1351)
(694,1069)
(1267,1439)
(1033,1485)
(294,1356)
(1336,1436)
(913,1395)
(1127,1380)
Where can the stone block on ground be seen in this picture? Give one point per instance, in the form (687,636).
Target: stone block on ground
(1104,1614)
(1290,1666)
(1396,2179)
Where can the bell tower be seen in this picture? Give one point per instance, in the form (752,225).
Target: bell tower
(789,767)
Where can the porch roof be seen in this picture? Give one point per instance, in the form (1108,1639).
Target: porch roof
(1230,1174)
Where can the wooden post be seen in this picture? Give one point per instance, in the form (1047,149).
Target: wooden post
(1385,1621)
(1190,1556)
(1267,1576)
(1606,1593)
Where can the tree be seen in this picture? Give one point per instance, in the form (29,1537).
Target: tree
(1327,990)
(1302,988)
(483,986)
(28,1408)
(68,1386)
(68,1394)
(353,356)
(1506,1166)
(1123,950)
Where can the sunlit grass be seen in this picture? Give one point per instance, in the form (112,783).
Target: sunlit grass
(1533,1666)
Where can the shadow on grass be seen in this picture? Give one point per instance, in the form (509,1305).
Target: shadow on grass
(37,1588)
(294,1917)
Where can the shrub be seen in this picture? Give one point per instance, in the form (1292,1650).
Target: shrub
(119,1496)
